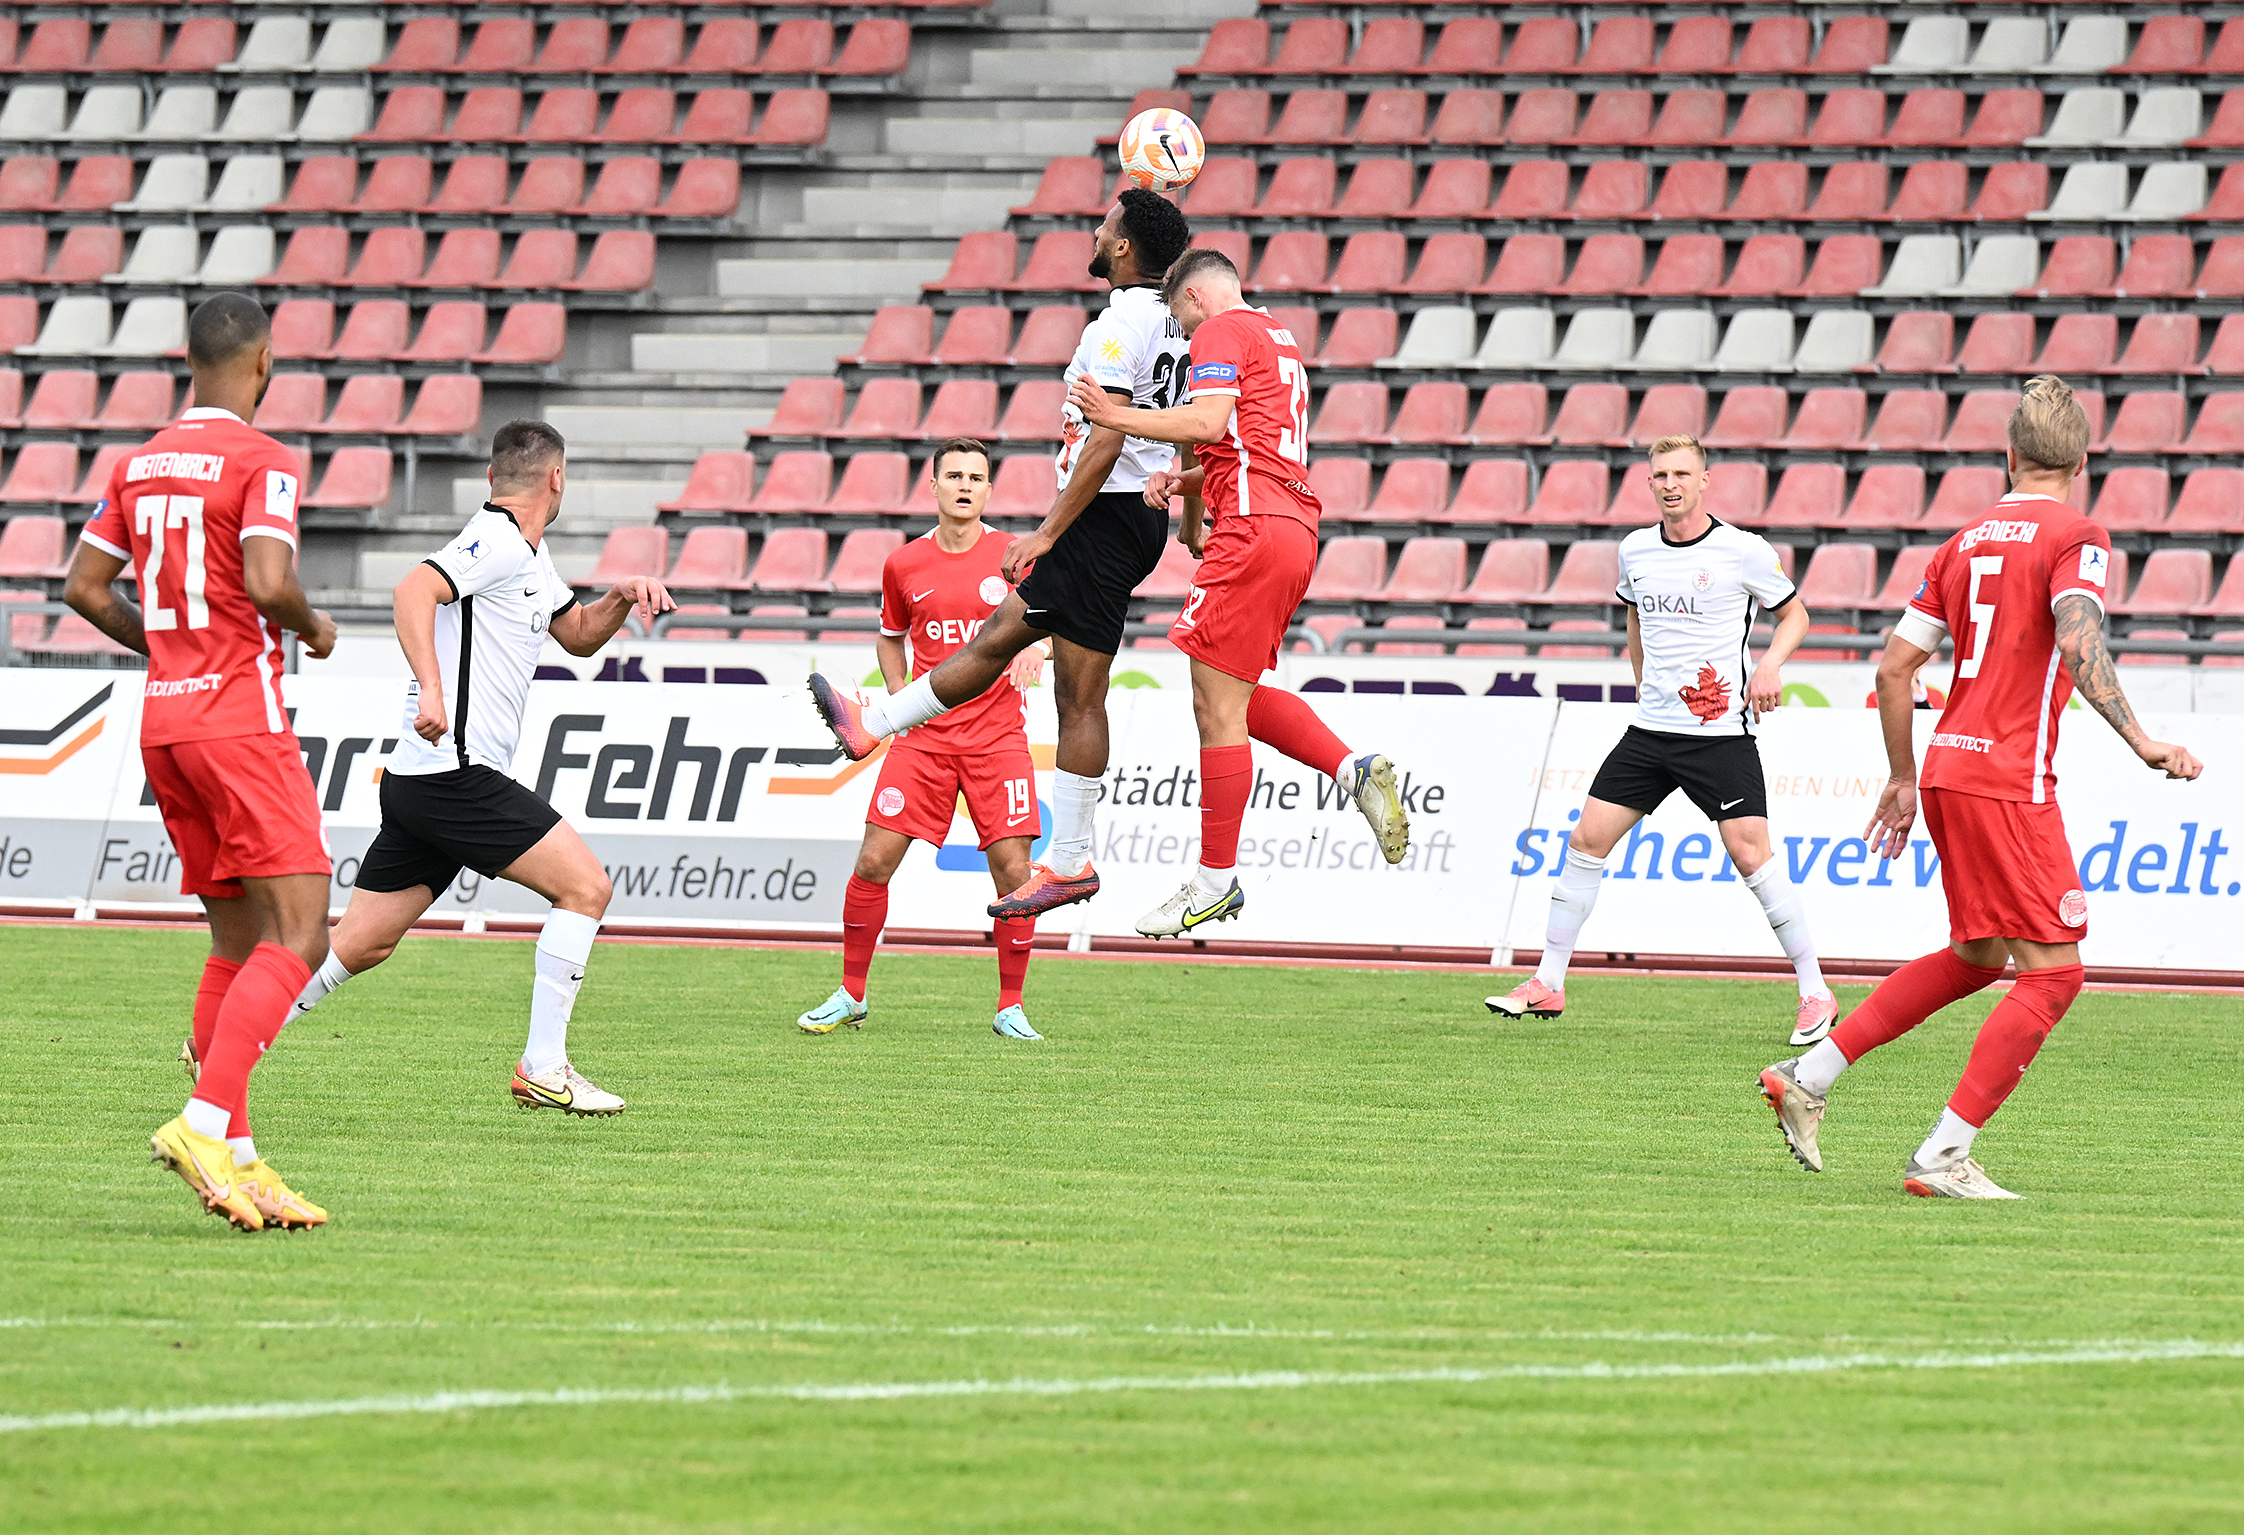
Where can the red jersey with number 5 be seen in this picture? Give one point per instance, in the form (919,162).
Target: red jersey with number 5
(942,600)
(1994,587)
(178,511)
(1260,467)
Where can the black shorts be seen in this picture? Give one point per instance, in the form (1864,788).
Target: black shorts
(433,823)
(1081,590)
(1722,774)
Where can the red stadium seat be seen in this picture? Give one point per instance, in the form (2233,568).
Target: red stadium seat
(791,560)
(474,184)
(87,254)
(1292,262)
(1750,417)
(1431,413)
(1235,46)
(877,46)
(529,334)
(11,398)
(900,333)
(1592,416)
(1301,187)
(329,184)
(1932,192)
(1058,263)
(1736,493)
(864,555)
(2005,120)
(2212,501)
(886,407)
(622,261)
(1574,492)
(1234,116)
(465,258)
(447,405)
(133,44)
(1688,265)
(1544,116)
(1920,341)
(2226,355)
(1587,575)
(1607,263)
(2158,266)
(1413,490)
(425,45)
(1465,46)
(1533,189)
(295,402)
(812,407)
(57,46)
(1665,411)
(450,332)
(1048,336)
(2223,275)
(1023,487)
(1840,576)
(1380,189)
(2149,421)
(28,183)
(2167,45)
(1225,188)
(1511,570)
(138,402)
(2131,498)
(369,403)
(1073,186)
(2161,343)
(1343,486)
(1828,418)
(720,481)
(1888,496)
(963,407)
(1909,421)
(1612,189)
(1348,570)
(1844,266)
(641,115)
(1447,263)
(2219,429)
(1689,119)
(63,401)
(97,184)
(1699,45)
(373,331)
(1926,118)
(1492,492)
(1390,45)
(1313,45)
(983,262)
(725,45)
(1614,118)
(1313,117)
(1998,343)
(2080,343)
(33,548)
(315,256)
(1849,119)
(94,485)
(1621,45)
(799,482)
(1511,415)
(1982,421)
(1033,412)
(1361,335)
(542,258)
(355,478)
(628,186)
(1768,118)
(1541,45)
(1372,262)
(1852,45)
(1391,117)
(708,187)
(2226,205)
(1406,621)
(390,258)
(2011,191)
(711,560)
(1771,189)
(1428,569)
(1909,565)
(1469,118)
(1808,496)
(1692,189)
(1965,497)
(567,116)
(801,46)
(201,44)
(577,45)
(1852,191)
(303,327)
(1352,413)
(1454,189)
(2227,130)
(650,45)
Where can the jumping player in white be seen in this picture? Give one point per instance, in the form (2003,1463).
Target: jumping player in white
(1693,586)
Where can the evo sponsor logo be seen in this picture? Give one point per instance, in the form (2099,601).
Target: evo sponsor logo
(954,631)
(174,687)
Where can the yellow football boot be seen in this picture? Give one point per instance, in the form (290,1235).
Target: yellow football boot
(206,1165)
(279,1204)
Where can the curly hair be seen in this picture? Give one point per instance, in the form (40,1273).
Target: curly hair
(1156,230)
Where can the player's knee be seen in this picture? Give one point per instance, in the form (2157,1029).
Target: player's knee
(873,869)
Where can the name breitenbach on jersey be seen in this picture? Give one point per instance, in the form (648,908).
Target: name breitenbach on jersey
(1135,346)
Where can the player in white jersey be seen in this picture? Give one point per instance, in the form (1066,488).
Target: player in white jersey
(1074,574)
(1694,586)
(472,619)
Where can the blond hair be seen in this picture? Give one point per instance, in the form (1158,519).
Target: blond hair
(2049,430)
(1679,442)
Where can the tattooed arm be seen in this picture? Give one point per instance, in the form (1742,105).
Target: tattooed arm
(2080,640)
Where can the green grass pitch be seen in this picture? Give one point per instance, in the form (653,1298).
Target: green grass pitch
(1283,1249)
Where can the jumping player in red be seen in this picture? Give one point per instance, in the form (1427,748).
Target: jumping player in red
(2023,595)
(1248,417)
(206,514)
(938,591)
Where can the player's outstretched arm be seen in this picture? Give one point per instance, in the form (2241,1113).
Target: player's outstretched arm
(583,629)
(269,577)
(1766,690)
(1101,449)
(91,590)
(1888,831)
(2080,640)
(1199,419)
(413,611)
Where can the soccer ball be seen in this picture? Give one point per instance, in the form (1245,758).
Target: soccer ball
(1162,149)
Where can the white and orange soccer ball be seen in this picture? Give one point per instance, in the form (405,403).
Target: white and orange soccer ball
(1162,149)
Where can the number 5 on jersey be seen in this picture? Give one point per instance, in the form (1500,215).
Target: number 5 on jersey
(1982,613)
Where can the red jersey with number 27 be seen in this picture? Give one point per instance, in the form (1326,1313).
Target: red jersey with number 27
(1260,467)
(178,511)
(942,600)
(1995,587)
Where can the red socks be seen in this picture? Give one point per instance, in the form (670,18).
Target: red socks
(248,1021)
(1284,720)
(218,974)
(864,914)
(1907,998)
(1226,774)
(2009,1038)
(1015,936)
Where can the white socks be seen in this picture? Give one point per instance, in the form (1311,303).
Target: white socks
(1213,881)
(913,704)
(1571,903)
(1074,799)
(564,944)
(245,1150)
(1781,903)
(1951,1138)
(325,979)
(1820,1067)
(207,1119)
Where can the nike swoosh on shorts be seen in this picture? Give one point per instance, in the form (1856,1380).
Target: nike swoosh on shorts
(1726,804)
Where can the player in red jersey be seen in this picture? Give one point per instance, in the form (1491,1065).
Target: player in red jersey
(938,591)
(1249,420)
(2023,595)
(206,516)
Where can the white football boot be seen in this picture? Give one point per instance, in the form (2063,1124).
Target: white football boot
(1370,782)
(1191,907)
(562,1088)
(837,1011)
(1957,1177)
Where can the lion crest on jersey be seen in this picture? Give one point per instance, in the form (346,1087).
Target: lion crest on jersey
(1710,698)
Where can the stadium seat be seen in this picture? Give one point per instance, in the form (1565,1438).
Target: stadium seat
(1592,416)
(1982,418)
(1312,117)
(63,400)
(1348,569)
(1541,45)
(1544,116)
(1997,343)
(473,184)
(529,335)
(355,479)
(1909,421)
(2130,499)
(1620,45)
(1427,570)
(542,258)
(1845,265)
(1768,118)
(2226,355)
(450,332)
(1932,192)
(1596,339)
(2001,266)
(368,403)
(446,405)
(1612,189)
(1840,576)
(2168,191)
(1676,340)
(11,398)
(2011,191)
(1447,263)
(1756,341)
(1512,570)
(2148,421)
(1614,118)
(1606,264)
(1372,262)
(2080,343)
(1888,496)
(1930,45)
(1343,486)
(2160,343)
(899,334)
(864,554)
(1533,189)
(622,261)
(1518,338)
(721,481)
(33,548)
(1666,410)
(2005,120)
(1512,415)
(1454,188)
(1493,491)
(570,115)
(149,327)
(1430,414)
(2174,581)
(1965,497)
(1440,336)
(138,402)
(1586,576)
(1573,493)
(711,559)
(1828,419)
(1393,116)
(1022,487)
(2212,501)
(1688,266)
(1918,341)
(1412,490)
(1033,412)
(791,560)
(2158,266)
(2086,119)
(798,482)
(1072,186)
(1057,263)
(1361,337)
(1390,45)
(962,407)
(465,258)
(1381,189)
(1807,496)
(2223,273)
(2219,429)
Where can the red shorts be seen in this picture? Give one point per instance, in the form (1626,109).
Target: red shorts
(237,807)
(919,792)
(2006,868)
(1251,578)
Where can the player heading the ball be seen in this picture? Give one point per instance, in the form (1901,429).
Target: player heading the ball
(1074,574)
(472,619)
(1694,586)
(2020,592)
(206,515)
(935,593)
(1247,421)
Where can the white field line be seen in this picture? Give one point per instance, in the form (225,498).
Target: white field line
(1269,1380)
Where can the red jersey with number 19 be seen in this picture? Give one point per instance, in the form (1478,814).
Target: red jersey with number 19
(1995,586)
(178,512)
(1260,467)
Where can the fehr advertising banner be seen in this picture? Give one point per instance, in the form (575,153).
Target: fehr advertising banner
(728,806)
